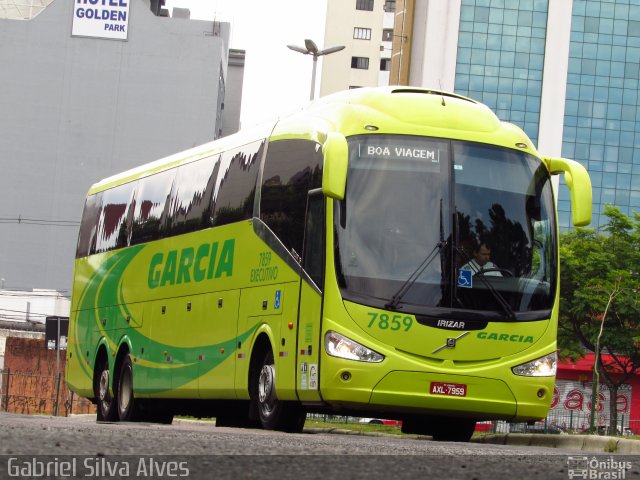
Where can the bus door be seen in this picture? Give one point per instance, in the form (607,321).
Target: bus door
(310,305)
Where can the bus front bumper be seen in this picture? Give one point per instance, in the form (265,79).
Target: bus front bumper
(428,393)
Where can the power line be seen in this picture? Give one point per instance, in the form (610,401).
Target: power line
(39,221)
(22,311)
(43,293)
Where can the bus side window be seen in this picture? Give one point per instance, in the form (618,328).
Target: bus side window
(89,225)
(313,254)
(190,203)
(151,207)
(112,226)
(235,186)
(292,168)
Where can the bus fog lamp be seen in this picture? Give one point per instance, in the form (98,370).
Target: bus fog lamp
(340,346)
(541,367)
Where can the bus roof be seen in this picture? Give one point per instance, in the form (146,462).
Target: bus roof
(383,110)
(405,110)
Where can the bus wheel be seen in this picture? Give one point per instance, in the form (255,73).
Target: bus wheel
(126,403)
(274,414)
(106,408)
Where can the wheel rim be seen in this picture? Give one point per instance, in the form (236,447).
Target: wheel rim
(266,392)
(103,390)
(125,391)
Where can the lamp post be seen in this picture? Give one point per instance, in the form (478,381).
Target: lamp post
(310,48)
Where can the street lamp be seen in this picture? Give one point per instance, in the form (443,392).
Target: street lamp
(310,48)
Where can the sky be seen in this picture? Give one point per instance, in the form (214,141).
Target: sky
(277,80)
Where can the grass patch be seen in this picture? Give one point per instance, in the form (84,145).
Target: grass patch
(356,427)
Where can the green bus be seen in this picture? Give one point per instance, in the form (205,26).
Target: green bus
(325,263)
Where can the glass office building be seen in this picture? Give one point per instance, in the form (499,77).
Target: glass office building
(500,58)
(501,52)
(602,119)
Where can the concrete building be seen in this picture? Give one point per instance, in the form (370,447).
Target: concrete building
(566,71)
(80,104)
(233,92)
(365,28)
(32,306)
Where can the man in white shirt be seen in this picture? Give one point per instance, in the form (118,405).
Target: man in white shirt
(481,262)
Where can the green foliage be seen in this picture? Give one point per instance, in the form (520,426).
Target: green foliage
(598,268)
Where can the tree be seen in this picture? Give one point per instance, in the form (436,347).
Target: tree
(600,272)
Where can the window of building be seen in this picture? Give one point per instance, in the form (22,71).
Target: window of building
(364,5)
(390,6)
(385,64)
(362,33)
(360,62)
(387,35)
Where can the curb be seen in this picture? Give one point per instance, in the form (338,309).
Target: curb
(584,443)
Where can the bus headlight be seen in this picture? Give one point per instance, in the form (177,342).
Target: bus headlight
(541,367)
(340,346)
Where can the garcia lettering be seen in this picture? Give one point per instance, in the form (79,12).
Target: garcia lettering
(505,337)
(191,264)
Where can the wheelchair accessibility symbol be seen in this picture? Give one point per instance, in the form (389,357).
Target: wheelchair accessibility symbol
(465,278)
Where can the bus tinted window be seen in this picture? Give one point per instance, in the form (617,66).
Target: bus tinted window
(112,226)
(292,168)
(236,184)
(89,225)
(190,204)
(150,207)
(313,255)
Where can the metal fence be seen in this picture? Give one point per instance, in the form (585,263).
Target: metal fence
(38,394)
(570,423)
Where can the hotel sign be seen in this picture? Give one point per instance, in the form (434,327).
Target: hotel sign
(101,19)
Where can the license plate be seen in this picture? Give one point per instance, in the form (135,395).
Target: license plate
(451,389)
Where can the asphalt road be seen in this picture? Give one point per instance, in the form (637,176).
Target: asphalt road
(78,447)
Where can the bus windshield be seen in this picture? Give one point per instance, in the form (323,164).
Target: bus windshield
(448,228)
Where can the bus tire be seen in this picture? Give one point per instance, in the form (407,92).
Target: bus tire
(124,395)
(105,404)
(274,414)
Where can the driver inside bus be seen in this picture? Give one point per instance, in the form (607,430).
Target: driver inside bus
(481,262)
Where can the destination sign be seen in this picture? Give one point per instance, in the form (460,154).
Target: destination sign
(402,153)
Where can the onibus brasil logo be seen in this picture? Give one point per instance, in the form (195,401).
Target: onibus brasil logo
(597,468)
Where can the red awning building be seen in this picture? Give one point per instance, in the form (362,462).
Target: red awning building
(571,404)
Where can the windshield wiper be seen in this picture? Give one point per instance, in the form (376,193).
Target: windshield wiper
(499,298)
(402,291)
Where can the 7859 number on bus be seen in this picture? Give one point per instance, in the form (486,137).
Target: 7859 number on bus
(384,321)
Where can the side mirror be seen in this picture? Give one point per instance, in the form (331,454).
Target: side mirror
(579,183)
(334,172)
